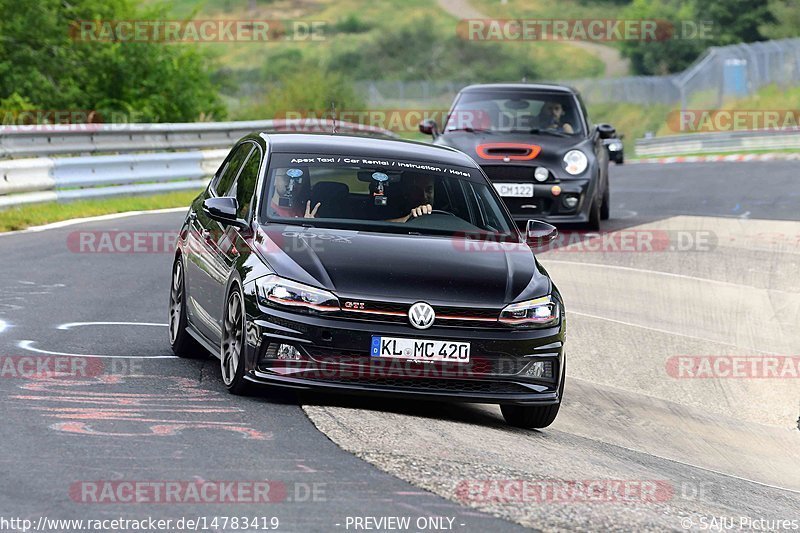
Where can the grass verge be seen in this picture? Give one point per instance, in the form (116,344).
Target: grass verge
(24,216)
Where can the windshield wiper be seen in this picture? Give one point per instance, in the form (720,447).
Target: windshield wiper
(539,131)
(471,130)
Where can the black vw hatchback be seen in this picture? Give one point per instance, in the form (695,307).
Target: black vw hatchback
(366,265)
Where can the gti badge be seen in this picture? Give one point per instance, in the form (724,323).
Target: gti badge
(421,315)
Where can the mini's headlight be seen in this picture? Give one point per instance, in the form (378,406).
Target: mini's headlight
(541,174)
(615,146)
(279,292)
(539,313)
(575,162)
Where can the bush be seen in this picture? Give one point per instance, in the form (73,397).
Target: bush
(149,82)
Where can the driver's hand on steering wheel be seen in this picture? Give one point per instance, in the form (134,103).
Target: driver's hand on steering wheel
(425,209)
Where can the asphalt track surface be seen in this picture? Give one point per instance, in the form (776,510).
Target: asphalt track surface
(718,449)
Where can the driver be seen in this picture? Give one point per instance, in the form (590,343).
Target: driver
(551,117)
(281,185)
(421,194)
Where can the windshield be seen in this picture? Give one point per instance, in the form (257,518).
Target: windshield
(382,195)
(534,112)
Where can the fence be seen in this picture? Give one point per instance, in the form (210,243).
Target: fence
(707,143)
(721,72)
(43,179)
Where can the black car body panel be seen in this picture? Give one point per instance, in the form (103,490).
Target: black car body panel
(497,151)
(376,277)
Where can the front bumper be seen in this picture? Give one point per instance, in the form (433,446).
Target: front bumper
(335,357)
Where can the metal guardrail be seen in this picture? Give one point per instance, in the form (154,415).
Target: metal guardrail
(45,139)
(43,179)
(708,143)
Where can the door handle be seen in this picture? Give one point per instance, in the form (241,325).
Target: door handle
(192,216)
(206,235)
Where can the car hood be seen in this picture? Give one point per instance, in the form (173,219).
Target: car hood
(403,268)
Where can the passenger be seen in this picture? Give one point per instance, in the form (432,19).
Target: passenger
(282,181)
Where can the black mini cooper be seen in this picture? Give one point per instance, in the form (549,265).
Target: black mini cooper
(536,144)
(372,266)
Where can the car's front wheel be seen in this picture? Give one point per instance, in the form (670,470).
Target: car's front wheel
(233,343)
(605,208)
(534,416)
(182,343)
(594,216)
(530,416)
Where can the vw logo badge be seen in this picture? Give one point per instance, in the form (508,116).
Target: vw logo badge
(421,315)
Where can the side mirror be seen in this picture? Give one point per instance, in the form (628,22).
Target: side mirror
(538,233)
(223,210)
(606,131)
(429,127)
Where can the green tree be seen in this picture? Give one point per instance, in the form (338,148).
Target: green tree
(668,53)
(785,20)
(43,60)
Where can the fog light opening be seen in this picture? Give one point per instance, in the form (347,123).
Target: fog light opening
(570,201)
(282,352)
(540,369)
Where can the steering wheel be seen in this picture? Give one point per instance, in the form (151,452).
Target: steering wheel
(414,220)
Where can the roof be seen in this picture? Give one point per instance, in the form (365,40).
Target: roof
(341,144)
(544,87)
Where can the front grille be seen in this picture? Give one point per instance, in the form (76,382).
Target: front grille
(397,313)
(477,367)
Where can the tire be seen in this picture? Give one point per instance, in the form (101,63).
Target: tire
(605,207)
(594,216)
(530,416)
(182,343)
(534,416)
(233,342)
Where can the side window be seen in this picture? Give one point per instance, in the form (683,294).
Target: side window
(222,183)
(245,185)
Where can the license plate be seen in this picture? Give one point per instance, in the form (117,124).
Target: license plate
(420,349)
(514,190)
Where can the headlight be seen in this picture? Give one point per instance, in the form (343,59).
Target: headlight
(615,147)
(279,292)
(541,174)
(539,313)
(576,162)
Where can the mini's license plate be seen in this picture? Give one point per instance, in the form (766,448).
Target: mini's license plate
(420,349)
(514,190)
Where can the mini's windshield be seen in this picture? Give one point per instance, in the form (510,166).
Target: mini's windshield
(382,195)
(526,112)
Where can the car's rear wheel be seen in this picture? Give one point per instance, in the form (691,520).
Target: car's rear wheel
(605,208)
(233,343)
(182,343)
